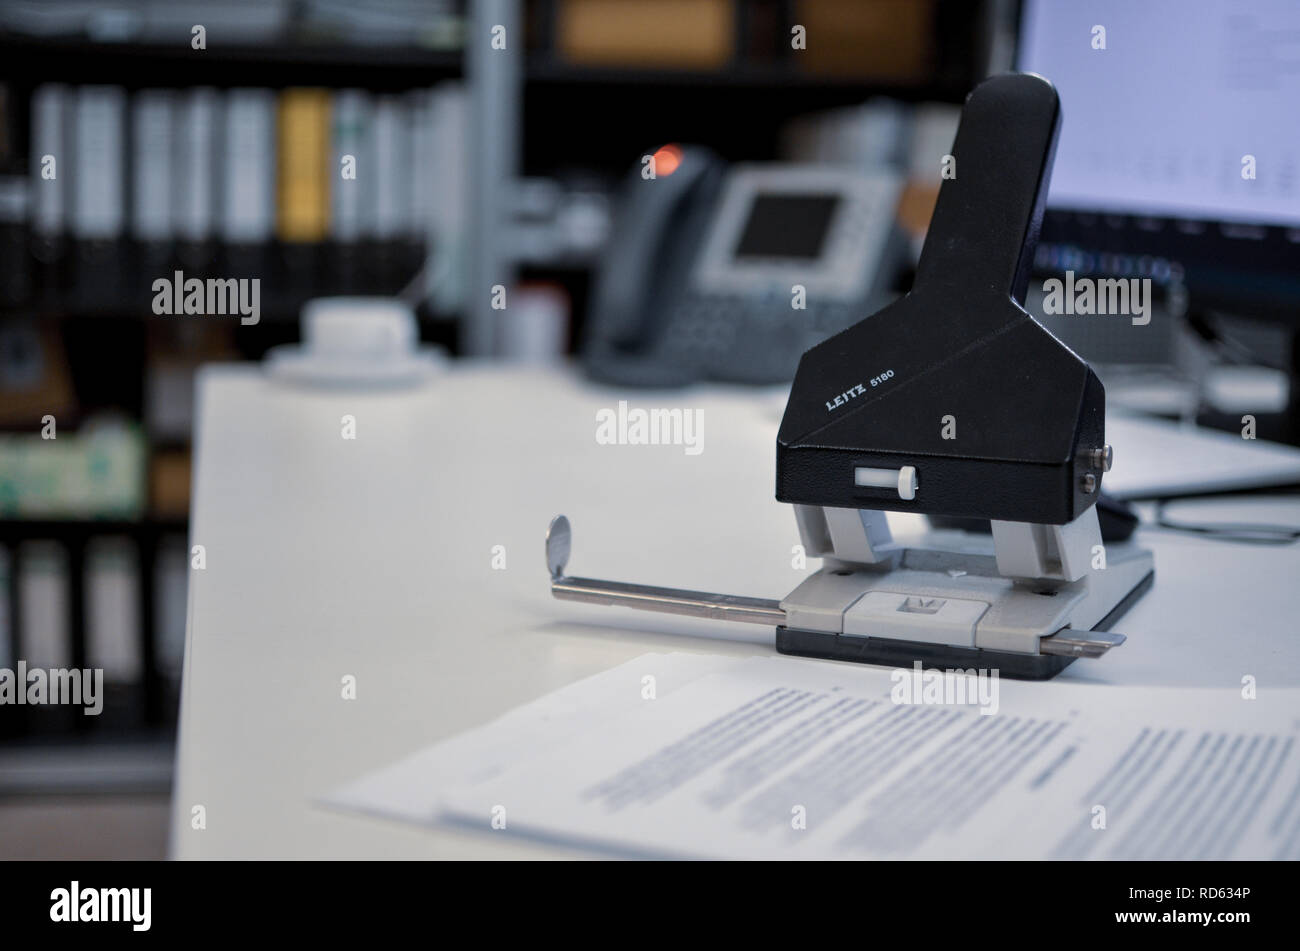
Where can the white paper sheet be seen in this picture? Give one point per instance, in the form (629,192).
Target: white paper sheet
(410,789)
(779,757)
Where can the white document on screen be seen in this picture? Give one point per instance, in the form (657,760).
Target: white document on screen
(776,757)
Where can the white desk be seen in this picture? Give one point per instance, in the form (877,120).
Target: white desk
(373,557)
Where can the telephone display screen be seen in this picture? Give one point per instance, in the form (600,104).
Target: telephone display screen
(787,226)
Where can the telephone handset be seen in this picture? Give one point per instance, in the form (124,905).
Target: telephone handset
(731,273)
(657,231)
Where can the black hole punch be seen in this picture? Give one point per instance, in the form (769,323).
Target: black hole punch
(842,573)
(958,341)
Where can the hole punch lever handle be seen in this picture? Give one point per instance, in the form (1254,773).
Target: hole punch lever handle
(986,223)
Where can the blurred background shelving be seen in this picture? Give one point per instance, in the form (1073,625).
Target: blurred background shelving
(222,161)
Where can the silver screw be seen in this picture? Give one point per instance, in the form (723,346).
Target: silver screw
(1102,458)
(1089,484)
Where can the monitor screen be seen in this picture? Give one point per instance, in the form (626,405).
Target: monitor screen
(1185,96)
(787,226)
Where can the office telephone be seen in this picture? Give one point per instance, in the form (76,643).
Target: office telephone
(731,273)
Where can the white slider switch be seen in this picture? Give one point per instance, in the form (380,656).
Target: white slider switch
(903,480)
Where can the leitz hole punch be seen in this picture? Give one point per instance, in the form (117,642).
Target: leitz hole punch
(950,402)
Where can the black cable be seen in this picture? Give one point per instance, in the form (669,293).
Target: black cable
(1244,532)
(1228,346)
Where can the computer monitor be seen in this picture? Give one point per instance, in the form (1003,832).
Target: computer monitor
(1180,146)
